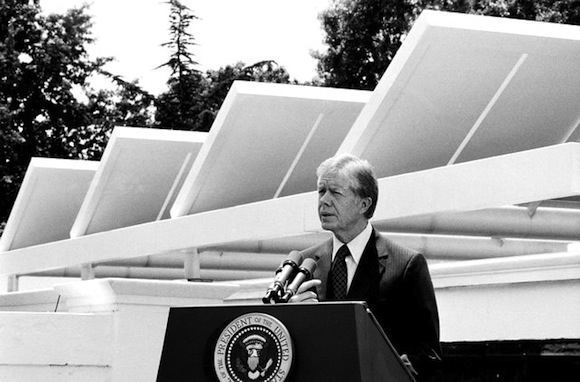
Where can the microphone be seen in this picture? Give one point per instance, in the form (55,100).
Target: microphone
(304,273)
(283,274)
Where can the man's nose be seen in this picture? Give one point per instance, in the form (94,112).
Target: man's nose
(324,199)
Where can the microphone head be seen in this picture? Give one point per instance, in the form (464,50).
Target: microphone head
(294,258)
(309,265)
(304,273)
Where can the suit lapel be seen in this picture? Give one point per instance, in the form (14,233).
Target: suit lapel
(383,250)
(369,270)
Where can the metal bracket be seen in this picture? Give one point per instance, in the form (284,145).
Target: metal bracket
(532,207)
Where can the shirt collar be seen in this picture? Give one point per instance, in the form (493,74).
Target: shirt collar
(356,246)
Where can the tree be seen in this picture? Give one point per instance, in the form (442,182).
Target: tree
(185,80)
(362,36)
(207,91)
(44,67)
(218,83)
(42,59)
(193,97)
(181,59)
(556,11)
(125,105)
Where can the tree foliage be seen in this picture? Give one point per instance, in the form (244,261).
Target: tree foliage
(184,77)
(193,97)
(47,107)
(181,60)
(219,81)
(207,91)
(41,61)
(362,36)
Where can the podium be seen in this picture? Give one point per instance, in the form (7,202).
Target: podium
(328,341)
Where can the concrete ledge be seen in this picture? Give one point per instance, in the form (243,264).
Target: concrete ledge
(55,347)
(101,295)
(139,309)
(54,373)
(515,269)
(522,297)
(46,300)
(493,312)
(55,339)
(250,292)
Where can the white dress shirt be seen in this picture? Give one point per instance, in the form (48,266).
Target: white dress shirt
(356,247)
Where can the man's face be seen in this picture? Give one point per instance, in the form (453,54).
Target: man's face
(340,210)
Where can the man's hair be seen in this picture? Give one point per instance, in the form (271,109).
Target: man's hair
(360,173)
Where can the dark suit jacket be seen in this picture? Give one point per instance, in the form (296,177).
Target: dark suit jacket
(396,285)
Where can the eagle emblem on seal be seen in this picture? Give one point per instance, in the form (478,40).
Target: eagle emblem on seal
(255,347)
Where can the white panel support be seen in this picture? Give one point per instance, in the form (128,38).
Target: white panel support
(552,221)
(533,208)
(487,109)
(191,264)
(530,176)
(179,178)
(87,272)
(12,283)
(524,177)
(156,273)
(510,179)
(298,155)
(265,220)
(573,134)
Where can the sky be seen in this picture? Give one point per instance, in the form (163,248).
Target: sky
(226,32)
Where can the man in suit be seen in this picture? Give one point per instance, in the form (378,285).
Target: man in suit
(360,264)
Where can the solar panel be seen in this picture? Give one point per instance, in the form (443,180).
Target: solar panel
(48,202)
(466,87)
(138,178)
(266,142)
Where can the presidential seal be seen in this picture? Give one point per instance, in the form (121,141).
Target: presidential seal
(253,347)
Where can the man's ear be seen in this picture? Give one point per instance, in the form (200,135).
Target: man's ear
(365,204)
